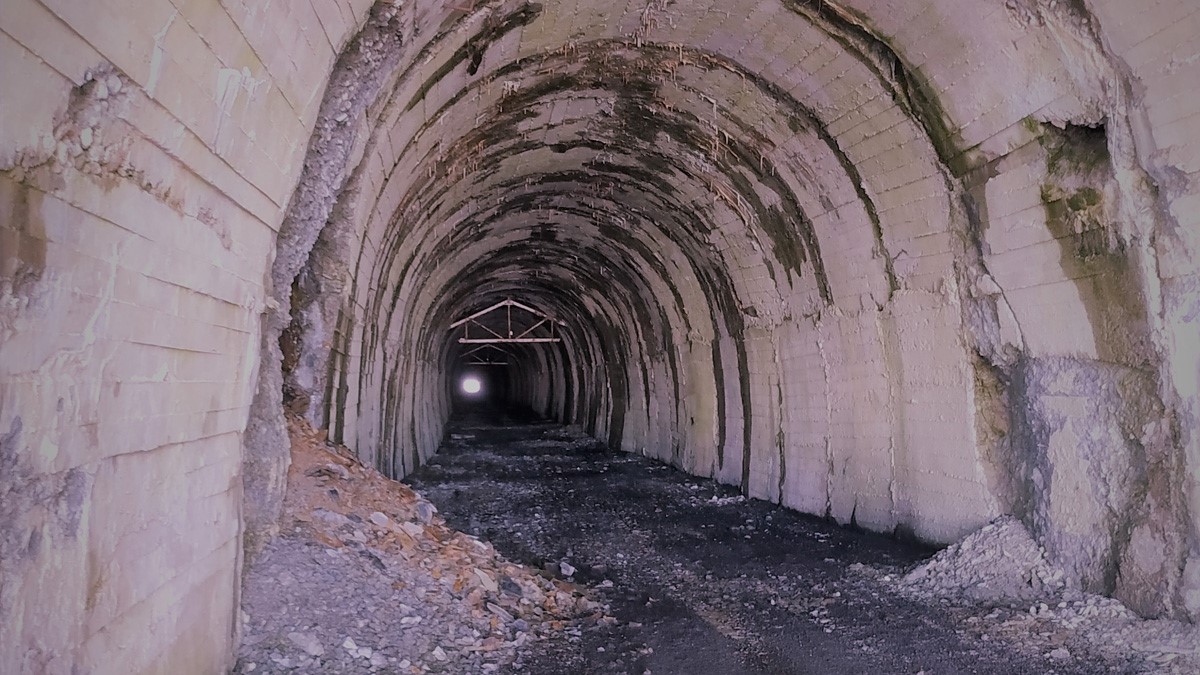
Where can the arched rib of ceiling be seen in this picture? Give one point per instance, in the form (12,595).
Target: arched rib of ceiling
(766,230)
(675,194)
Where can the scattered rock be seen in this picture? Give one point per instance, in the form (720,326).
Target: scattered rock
(307,642)
(330,518)
(511,587)
(486,581)
(329,470)
(500,612)
(1001,566)
(425,511)
(373,564)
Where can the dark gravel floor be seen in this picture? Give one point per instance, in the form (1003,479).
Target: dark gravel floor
(700,581)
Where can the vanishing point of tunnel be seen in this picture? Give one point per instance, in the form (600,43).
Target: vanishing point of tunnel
(895,273)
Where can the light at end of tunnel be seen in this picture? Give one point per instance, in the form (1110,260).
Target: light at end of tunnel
(471,385)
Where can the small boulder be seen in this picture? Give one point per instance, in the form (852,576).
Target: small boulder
(307,642)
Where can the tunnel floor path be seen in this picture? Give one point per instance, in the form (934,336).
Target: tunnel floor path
(700,580)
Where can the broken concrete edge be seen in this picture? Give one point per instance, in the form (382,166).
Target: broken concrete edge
(1135,198)
(353,85)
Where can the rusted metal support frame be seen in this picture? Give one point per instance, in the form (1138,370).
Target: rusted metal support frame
(497,338)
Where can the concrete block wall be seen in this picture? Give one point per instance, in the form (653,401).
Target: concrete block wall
(146,153)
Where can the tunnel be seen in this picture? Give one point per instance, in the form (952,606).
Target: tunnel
(905,266)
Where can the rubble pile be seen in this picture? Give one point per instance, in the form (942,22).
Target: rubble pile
(366,577)
(999,563)
(1003,580)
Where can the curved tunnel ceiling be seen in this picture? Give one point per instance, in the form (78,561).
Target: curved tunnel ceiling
(906,265)
(653,192)
(766,230)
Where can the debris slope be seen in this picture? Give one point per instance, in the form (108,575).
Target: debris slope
(367,577)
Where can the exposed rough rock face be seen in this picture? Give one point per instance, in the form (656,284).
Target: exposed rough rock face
(1099,479)
(88,136)
(366,577)
(1091,445)
(354,84)
(1087,450)
(318,321)
(37,513)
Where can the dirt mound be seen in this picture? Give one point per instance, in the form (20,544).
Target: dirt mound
(366,576)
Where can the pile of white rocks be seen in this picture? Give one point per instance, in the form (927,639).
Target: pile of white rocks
(1002,571)
(999,563)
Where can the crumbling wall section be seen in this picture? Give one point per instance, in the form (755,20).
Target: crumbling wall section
(1158,170)
(1061,298)
(355,81)
(318,299)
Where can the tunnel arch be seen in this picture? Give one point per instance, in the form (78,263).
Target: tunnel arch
(787,252)
(905,265)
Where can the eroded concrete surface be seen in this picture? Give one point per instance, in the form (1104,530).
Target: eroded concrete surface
(702,580)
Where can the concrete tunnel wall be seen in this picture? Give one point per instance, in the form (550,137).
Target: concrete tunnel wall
(910,265)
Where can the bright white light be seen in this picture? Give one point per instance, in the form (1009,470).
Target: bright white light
(471,385)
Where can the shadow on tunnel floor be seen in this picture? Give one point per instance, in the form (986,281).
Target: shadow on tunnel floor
(701,579)
(477,413)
